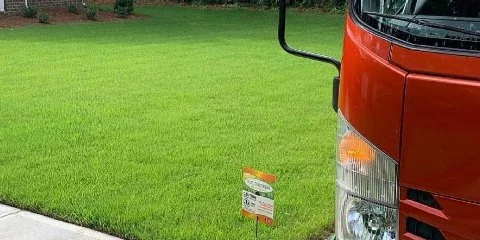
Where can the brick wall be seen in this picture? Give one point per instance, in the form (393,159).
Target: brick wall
(16,6)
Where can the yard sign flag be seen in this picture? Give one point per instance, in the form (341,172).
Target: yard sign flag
(257,200)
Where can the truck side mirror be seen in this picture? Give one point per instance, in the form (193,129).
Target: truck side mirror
(300,53)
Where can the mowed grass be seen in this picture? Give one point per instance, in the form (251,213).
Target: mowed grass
(141,128)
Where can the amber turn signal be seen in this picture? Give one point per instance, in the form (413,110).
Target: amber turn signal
(353,148)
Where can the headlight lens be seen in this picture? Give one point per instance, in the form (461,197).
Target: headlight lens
(361,219)
(367,195)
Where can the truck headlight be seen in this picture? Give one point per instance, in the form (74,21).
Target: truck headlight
(367,193)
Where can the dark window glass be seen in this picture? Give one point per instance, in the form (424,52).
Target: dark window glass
(463,16)
(457,8)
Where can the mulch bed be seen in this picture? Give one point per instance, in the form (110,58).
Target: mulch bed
(61,15)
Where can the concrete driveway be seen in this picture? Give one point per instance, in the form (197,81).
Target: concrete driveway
(16,224)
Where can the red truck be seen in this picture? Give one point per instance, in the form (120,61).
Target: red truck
(408,104)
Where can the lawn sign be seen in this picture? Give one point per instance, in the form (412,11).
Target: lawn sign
(257,195)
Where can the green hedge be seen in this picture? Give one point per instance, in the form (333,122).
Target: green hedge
(327,4)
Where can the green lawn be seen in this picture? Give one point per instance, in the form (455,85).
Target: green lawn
(141,128)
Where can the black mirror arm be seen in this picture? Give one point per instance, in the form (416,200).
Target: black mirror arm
(296,52)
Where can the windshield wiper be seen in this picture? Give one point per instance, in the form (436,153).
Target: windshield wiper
(424,23)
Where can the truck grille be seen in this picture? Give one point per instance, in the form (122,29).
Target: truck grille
(423,230)
(422,197)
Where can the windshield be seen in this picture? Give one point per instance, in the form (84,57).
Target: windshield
(453,14)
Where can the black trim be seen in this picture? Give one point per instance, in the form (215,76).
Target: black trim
(335,93)
(442,50)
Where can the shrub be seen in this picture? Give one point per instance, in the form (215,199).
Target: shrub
(73,8)
(336,6)
(123,12)
(29,12)
(91,13)
(268,3)
(44,18)
(123,7)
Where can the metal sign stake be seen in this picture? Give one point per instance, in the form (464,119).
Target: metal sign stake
(256,229)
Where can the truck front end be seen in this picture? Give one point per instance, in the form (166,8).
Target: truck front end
(408,102)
